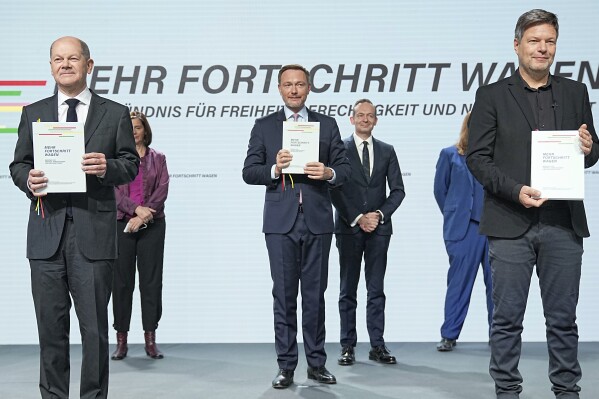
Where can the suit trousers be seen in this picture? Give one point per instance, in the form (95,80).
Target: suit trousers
(146,250)
(352,247)
(465,257)
(557,253)
(53,282)
(299,257)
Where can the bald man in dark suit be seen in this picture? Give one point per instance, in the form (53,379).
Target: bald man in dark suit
(363,229)
(71,245)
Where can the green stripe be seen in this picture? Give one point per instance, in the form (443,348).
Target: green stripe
(10,93)
(8,130)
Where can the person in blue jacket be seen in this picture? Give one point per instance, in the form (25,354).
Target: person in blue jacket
(460,199)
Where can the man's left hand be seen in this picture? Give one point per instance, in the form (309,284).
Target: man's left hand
(317,171)
(586,140)
(94,163)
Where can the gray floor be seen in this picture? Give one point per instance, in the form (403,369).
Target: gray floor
(231,371)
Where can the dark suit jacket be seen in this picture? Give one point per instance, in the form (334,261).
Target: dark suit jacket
(108,130)
(454,193)
(499,149)
(281,206)
(360,195)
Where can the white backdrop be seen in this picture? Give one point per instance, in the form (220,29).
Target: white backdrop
(217,281)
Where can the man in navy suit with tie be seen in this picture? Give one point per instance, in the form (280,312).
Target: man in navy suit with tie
(363,228)
(71,242)
(298,223)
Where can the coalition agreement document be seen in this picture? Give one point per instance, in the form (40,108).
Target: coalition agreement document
(57,150)
(302,139)
(557,165)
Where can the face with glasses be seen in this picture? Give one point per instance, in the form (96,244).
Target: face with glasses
(294,89)
(364,118)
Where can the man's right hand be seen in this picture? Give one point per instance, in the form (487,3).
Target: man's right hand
(529,197)
(369,222)
(37,181)
(284,158)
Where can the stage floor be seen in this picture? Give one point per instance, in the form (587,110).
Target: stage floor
(244,371)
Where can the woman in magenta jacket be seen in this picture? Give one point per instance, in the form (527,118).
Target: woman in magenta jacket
(141,231)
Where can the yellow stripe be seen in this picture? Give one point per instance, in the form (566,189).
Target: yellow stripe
(10,108)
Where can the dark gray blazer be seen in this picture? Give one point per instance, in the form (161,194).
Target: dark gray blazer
(108,130)
(499,149)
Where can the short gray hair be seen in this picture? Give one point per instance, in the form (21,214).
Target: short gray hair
(535,17)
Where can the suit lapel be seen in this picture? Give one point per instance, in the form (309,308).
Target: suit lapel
(354,157)
(462,161)
(49,112)
(520,97)
(376,153)
(556,90)
(279,127)
(53,103)
(94,116)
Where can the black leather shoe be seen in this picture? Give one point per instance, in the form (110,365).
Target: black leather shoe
(446,345)
(347,357)
(382,355)
(283,379)
(322,375)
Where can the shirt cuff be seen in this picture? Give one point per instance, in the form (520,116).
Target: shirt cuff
(272,173)
(332,181)
(355,222)
(382,216)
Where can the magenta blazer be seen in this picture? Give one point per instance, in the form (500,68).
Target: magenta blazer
(155,186)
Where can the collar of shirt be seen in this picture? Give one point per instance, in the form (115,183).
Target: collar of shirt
(359,142)
(303,114)
(526,86)
(84,98)
(360,145)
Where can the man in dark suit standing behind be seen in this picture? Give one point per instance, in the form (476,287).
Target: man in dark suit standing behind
(71,242)
(525,229)
(298,223)
(363,229)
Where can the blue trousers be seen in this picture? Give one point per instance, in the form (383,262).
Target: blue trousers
(299,263)
(464,258)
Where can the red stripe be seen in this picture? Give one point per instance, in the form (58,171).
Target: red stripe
(22,82)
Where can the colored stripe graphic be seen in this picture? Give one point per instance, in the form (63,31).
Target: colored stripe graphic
(22,82)
(15,108)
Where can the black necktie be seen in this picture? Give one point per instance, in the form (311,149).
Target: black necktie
(366,159)
(72,112)
(71,117)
